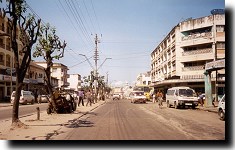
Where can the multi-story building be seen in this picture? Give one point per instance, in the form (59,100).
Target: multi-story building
(144,79)
(58,71)
(179,60)
(7,65)
(36,78)
(75,82)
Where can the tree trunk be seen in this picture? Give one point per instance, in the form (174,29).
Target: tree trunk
(49,86)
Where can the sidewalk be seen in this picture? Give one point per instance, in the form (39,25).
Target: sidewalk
(46,127)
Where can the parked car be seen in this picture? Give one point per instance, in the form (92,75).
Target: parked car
(116,96)
(138,96)
(221,108)
(43,98)
(25,97)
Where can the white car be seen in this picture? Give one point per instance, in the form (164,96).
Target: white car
(116,96)
(138,96)
(43,98)
(25,97)
(221,108)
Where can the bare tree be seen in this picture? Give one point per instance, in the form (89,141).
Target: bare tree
(49,47)
(28,29)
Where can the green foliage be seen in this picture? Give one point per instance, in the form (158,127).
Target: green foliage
(49,45)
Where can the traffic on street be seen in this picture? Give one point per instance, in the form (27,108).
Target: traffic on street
(123,120)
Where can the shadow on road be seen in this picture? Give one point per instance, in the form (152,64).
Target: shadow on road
(76,123)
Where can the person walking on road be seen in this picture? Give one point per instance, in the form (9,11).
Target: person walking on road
(154,97)
(160,98)
(89,98)
(81,97)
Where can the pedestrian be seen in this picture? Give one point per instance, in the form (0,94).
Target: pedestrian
(81,97)
(89,97)
(75,95)
(154,97)
(36,95)
(160,99)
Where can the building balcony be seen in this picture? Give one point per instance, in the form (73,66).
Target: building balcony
(193,68)
(40,80)
(197,35)
(173,58)
(2,45)
(2,62)
(66,84)
(198,38)
(199,51)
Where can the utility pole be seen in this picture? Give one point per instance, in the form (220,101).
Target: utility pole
(96,58)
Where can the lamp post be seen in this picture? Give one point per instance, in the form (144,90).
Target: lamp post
(87,60)
(103,63)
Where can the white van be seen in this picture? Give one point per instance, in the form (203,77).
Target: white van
(181,97)
(25,97)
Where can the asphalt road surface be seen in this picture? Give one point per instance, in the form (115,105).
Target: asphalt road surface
(123,120)
(24,110)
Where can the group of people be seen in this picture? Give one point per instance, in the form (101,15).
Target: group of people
(81,95)
(159,98)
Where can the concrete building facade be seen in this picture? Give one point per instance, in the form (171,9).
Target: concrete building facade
(179,60)
(58,71)
(7,64)
(143,79)
(75,82)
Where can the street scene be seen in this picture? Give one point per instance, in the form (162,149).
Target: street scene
(113,70)
(116,120)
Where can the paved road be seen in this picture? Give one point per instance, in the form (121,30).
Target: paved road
(122,120)
(24,110)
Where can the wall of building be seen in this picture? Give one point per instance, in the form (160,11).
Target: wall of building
(180,58)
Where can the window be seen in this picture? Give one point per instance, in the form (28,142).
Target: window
(54,69)
(1,59)
(220,45)
(1,43)
(8,61)
(219,28)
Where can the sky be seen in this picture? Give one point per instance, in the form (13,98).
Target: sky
(128,31)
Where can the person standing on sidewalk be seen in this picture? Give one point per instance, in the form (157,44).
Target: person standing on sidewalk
(81,97)
(160,99)
(89,97)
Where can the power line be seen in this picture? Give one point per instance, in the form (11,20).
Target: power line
(89,16)
(95,16)
(80,62)
(78,20)
(70,20)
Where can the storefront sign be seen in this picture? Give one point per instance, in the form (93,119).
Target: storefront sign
(215,65)
(34,81)
(7,78)
(26,80)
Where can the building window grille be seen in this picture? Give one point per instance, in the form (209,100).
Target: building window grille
(220,45)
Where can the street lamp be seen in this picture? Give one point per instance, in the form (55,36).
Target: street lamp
(103,63)
(87,60)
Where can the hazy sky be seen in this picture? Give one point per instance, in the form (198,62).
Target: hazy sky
(129,30)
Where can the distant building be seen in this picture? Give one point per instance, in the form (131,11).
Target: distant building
(179,60)
(58,71)
(75,82)
(144,79)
